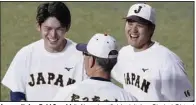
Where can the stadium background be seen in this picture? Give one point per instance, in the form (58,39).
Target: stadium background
(174,27)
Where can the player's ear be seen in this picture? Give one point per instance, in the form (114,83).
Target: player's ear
(38,27)
(91,62)
(151,29)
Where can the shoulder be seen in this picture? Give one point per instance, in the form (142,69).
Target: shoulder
(29,48)
(123,95)
(167,55)
(116,89)
(71,46)
(35,44)
(63,93)
(170,62)
(70,42)
(125,49)
(70,87)
(71,49)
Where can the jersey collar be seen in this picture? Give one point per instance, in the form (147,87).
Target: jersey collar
(100,79)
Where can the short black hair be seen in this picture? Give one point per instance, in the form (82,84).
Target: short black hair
(107,64)
(58,10)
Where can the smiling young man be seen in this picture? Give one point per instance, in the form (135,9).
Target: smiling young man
(41,68)
(148,70)
(100,57)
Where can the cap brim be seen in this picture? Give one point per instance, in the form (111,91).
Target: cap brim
(133,17)
(81,47)
(138,19)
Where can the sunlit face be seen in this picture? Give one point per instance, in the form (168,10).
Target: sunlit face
(52,33)
(138,35)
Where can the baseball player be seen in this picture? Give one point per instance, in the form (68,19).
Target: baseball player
(100,57)
(43,67)
(147,69)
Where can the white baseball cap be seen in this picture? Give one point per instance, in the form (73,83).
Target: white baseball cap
(143,11)
(100,45)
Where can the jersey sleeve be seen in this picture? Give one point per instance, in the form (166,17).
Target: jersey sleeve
(14,78)
(175,83)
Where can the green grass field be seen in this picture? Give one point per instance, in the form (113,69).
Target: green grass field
(174,27)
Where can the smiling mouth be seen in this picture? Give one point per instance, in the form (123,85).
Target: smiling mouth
(52,41)
(133,37)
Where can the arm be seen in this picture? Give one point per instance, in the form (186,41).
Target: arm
(14,78)
(175,83)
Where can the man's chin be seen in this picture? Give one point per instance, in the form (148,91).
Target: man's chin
(52,45)
(132,44)
(135,45)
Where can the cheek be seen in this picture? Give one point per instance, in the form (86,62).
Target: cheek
(127,29)
(144,34)
(142,31)
(44,33)
(61,34)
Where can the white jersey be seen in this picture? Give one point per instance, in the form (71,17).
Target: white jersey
(155,74)
(93,90)
(40,74)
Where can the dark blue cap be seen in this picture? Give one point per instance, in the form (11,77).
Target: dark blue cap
(81,47)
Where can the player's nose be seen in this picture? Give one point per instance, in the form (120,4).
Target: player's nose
(53,33)
(134,29)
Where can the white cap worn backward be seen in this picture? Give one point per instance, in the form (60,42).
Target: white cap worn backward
(100,45)
(142,10)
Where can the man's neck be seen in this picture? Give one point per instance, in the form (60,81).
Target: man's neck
(101,74)
(58,49)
